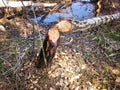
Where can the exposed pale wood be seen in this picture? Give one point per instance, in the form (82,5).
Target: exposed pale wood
(64,26)
(2,28)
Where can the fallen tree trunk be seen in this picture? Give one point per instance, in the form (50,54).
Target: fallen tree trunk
(6,3)
(52,37)
(93,22)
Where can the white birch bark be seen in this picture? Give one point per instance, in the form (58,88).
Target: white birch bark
(95,21)
(7,3)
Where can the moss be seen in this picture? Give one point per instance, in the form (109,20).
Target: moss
(115,35)
(2,67)
(109,31)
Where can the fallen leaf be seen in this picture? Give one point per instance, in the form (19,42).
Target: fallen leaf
(117,81)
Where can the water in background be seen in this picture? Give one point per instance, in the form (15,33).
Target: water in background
(77,11)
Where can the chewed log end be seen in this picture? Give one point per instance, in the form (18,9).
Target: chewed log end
(51,42)
(48,50)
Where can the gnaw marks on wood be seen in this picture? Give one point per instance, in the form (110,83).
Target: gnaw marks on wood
(49,48)
(51,42)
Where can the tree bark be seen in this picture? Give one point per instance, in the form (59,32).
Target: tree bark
(7,3)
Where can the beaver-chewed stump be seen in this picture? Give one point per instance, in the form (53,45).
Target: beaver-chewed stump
(48,50)
(51,42)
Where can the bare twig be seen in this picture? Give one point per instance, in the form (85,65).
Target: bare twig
(6,61)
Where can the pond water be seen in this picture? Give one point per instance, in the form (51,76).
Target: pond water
(77,11)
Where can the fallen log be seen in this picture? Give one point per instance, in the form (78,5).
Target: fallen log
(93,22)
(7,3)
(53,37)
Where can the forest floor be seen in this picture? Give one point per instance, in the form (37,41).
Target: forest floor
(83,61)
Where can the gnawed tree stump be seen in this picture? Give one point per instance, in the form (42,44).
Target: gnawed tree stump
(48,50)
(51,42)
(52,37)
